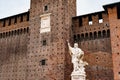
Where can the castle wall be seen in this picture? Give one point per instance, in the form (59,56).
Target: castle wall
(13,55)
(115,32)
(93,36)
(33,44)
(14,36)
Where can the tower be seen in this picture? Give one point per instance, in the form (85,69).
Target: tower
(50,27)
(114,18)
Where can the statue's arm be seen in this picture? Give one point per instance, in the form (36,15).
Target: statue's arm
(70,48)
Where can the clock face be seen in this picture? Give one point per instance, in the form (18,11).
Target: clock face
(45,24)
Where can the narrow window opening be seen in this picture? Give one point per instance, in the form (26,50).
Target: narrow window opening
(95,35)
(82,36)
(86,36)
(104,33)
(44,42)
(91,35)
(99,34)
(80,22)
(27,29)
(43,62)
(46,8)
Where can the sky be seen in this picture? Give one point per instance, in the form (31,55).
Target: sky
(12,7)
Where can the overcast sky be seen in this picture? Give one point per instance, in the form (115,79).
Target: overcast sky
(12,7)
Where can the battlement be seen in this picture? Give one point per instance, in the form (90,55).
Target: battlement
(91,19)
(15,19)
(94,25)
(14,22)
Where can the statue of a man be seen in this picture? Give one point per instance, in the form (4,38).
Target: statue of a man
(77,56)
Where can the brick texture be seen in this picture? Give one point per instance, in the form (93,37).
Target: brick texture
(28,54)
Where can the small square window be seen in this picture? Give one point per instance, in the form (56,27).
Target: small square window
(100,20)
(45,8)
(44,42)
(90,22)
(43,62)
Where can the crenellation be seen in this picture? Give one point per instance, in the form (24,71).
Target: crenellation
(13,20)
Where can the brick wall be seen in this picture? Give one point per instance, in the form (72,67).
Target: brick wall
(92,32)
(55,52)
(115,32)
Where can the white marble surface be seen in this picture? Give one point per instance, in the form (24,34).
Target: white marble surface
(45,23)
(78,64)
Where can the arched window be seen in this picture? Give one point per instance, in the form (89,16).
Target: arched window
(86,36)
(91,35)
(104,33)
(27,29)
(15,32)
(95,35)
(21,31)
(12,33)
(78,37)
(24,30)
(3,35)
(6,34)
(82,36)
(99,34)
(0,35)
(9,33)
(75,38)
(18,31)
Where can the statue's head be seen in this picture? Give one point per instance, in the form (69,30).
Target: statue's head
(75,45)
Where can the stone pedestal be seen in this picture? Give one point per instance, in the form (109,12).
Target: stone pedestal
(78,76)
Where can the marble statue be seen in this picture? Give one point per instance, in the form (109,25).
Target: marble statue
(77,59)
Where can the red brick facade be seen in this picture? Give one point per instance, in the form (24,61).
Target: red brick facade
(28,54)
